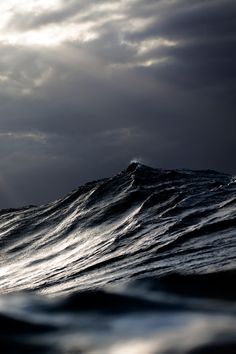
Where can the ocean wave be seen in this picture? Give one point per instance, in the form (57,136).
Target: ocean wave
(151,250)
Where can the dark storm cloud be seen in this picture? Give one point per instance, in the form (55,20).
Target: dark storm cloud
(157,81)
(206,35)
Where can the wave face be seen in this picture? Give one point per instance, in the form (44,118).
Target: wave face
(143,262)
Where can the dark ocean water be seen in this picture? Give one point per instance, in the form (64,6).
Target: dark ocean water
(140,263)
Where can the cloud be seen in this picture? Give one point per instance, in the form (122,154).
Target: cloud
(85,87)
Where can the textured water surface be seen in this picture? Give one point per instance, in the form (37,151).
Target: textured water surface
(142,262)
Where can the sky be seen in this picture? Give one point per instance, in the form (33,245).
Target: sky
(87,86)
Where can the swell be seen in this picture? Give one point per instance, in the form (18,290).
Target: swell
(141,262)
(141,222)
